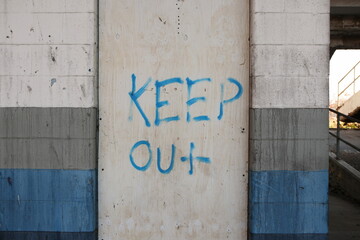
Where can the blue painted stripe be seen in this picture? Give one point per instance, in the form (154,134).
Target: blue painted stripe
(48,235)
(47,200)
(288,202)
(288,236)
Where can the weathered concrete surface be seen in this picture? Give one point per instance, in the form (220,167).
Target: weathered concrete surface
(48,138)
(288,67)
(56,123)
(288,154)
(288,139)
(173,41)
(16,235)
(285,6)
(48,151)
(278,28)
(283,76)
(288,123)
(48,28)
(56,6)
(275,196)
(48,51)
(48,200)
(289,100)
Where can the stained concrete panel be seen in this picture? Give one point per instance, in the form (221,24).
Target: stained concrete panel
(294,6)
(290,60)
(48,153)
(48,91)
(52,123)
(304,154)
(288,28)
(288,124)
(47,28)
(48,138)
(289,139)
(290,92)
(10,6)
(48,60)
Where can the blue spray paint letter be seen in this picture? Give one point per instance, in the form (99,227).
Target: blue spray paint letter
(191,158)
(136,145)
(166,171)
(135,95)
(192,101)
(160,104)
(237,96)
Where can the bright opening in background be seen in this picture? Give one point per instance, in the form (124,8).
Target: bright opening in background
(342,63)
(344,85)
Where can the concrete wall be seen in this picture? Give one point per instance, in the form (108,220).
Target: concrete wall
(288,119)
(48,119)
(48,103)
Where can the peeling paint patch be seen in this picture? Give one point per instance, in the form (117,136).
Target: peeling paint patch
(52,81)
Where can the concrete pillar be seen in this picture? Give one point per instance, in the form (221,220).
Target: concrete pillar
(173,119)
(48,119)
(289,124)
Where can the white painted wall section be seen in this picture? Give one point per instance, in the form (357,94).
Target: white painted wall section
(49,47)
(289,47)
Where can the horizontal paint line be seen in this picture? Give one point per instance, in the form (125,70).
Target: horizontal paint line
(289,13)
(58,107)
(11,235)
(56,200)
(288,76)
(291,108)
(46,44)
(46,75)
(291,171)
(289,202)
(10,12)
(288,236)
(290,139)
(45,138)
(285,44)
(41,201)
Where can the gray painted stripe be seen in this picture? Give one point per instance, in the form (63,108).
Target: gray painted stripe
(289,123)
(48,138)
(302,155)
(48,123)
(288,139)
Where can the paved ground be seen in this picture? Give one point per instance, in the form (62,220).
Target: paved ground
(344,218)
(344,213)
(347,153)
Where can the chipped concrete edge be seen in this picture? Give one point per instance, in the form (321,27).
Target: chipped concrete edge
(344,176)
